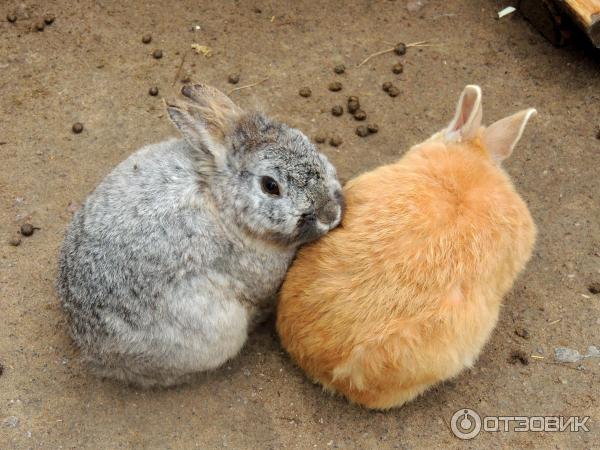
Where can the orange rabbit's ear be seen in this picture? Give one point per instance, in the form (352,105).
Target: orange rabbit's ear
(501,137)
(467,118)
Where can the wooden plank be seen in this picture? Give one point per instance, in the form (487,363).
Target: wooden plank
(586,13)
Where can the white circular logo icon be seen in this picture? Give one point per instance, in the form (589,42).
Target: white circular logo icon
(465,424)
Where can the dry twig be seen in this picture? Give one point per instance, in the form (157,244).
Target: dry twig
(178,73)
(247,86)
(389,50)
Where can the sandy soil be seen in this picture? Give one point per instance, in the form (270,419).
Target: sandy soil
(90,66)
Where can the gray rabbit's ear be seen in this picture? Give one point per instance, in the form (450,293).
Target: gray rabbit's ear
(205,120)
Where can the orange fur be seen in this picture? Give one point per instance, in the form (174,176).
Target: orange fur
(407,290)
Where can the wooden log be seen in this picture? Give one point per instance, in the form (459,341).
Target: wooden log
(586,14)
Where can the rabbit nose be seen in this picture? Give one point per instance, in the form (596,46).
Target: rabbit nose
(331,213)
(308,218)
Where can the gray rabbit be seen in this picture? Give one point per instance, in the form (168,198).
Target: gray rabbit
(182,248)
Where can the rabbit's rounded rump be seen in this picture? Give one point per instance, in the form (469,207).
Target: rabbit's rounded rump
(407,290)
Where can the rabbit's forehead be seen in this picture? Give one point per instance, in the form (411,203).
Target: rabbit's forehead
(292,166)
(291,157)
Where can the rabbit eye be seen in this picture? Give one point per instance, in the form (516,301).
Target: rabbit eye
(269,186)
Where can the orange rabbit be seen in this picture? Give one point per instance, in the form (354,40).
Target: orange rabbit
(407,291)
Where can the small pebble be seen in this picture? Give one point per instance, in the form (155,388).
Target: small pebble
(398,68)
(11,17)
(147,38)
(257,10)
(11,422)
(157,54)
(186,78)
(153,91)
(49,19)
(565,354)
(415,5)
(27,229)
(77,127)
(387,86)
(339,69)
(593,352)
(353,104)
(39,25)
(234,78)
(337,110)
(518,356)
(15,241)
(362,131)
(1,369)
(335,86)
(359,114)
(400,49)
(372,127)
(305,92)
(598,134)
(522,332)
(393,91)
(335,141)
(594,288)
(320,138)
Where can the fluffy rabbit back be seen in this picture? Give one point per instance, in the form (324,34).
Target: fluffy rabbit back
(407,291)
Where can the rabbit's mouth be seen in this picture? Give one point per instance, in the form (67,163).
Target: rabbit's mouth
(308,229)
(312,226)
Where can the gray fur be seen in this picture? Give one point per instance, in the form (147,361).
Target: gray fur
(178,251)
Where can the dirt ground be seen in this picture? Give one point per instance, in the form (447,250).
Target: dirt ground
(90,66)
